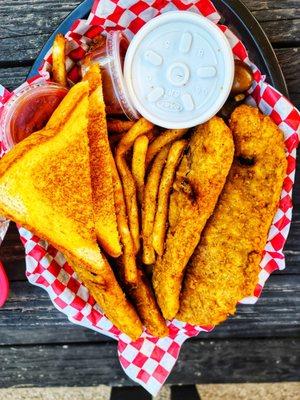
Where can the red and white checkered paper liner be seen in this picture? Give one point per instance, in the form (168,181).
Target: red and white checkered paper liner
(148,361)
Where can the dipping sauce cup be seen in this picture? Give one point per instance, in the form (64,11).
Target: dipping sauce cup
(29,110)
(110,53)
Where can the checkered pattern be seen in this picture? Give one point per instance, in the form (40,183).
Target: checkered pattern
(150,360)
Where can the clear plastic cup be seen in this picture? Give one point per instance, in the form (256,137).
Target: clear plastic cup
(28,111)
(110,55)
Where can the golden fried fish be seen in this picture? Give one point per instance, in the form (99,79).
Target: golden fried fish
(198,184)
(225,266)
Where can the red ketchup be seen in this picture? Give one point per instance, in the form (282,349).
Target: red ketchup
(29,111)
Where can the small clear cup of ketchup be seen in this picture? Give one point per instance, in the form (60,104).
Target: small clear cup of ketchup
(109,52)
(29,110)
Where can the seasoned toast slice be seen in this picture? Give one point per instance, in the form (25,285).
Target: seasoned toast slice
(45,186)
(101,171)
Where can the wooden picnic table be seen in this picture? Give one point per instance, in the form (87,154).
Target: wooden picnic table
(39,347)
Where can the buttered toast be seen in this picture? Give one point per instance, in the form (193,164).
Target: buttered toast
(45,186)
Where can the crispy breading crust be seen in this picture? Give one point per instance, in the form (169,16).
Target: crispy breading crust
(117,126)
(110,297)
(200,179)
(225,266)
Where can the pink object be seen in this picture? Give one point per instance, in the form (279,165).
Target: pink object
(4,285)
(149,360)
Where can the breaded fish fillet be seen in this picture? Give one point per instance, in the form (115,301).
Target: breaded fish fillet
(225,266)
(198,184)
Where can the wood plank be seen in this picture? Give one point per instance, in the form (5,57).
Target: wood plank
(289,60)
(25,31)
(20,50)
(269,5)
(279,19)
(32,16)
(215,361)
(29,317)
(12,77)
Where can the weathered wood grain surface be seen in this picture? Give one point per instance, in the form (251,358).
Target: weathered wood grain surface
(91,364)
(37,343)
(277,314)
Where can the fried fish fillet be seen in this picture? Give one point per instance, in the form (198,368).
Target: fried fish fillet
(198,184)
(225,266)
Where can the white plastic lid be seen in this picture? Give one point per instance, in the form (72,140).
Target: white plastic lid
(179,70)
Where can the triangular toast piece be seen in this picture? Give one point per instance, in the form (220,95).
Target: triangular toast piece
(45,186)
(101,171)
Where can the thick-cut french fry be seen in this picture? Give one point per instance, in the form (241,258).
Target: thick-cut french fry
(142,297)
(118,126)
(130,200)
(149,204)
(59,71)
(159,229)
(115,138)
(139,128)
(162,140)
(138,165)
(144,300)
(130,269)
